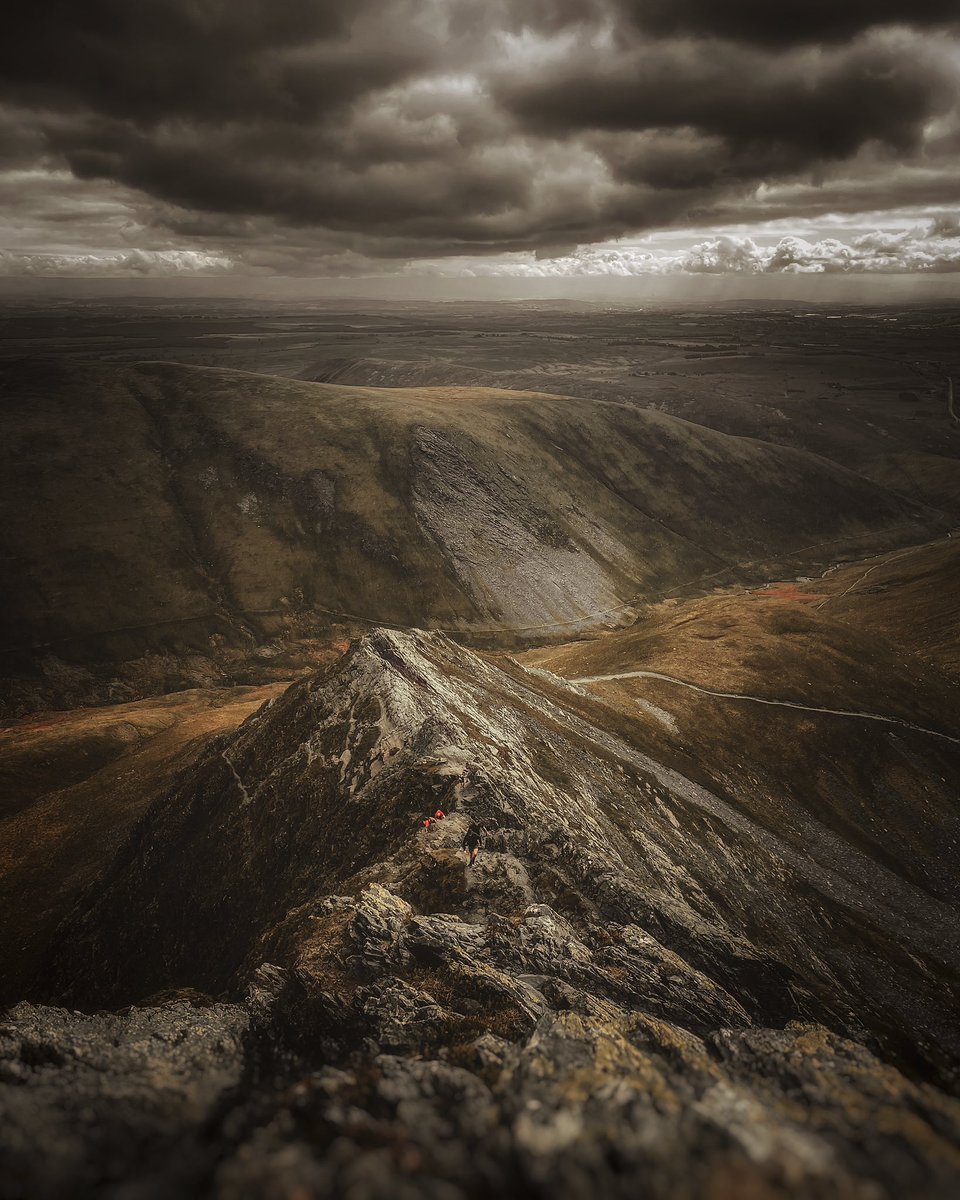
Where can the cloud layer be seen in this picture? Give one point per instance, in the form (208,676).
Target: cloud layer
(294,136)
(933,249)
(118,263)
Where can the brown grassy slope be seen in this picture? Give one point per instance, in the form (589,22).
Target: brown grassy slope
(911,597)
(934,478)
(169,503)
(882,416)
(73,784)
(881,787)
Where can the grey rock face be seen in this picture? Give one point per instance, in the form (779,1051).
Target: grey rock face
(636,990)
(148,1104)
(378,925)
(89,1103)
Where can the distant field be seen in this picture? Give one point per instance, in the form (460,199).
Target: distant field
(862,385)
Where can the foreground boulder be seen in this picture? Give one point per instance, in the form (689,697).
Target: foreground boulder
(455,1092)
(638,987)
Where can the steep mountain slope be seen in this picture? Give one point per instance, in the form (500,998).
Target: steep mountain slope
(72,786)
(162,506)
(793,707)
(910,596)
(879,413)
(602,1000)
(322,792)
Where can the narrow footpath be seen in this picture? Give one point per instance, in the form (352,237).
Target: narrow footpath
(742,696)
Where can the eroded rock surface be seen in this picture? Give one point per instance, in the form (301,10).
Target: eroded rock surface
(637,989)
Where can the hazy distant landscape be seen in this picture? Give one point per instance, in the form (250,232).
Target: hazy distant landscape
(665,599)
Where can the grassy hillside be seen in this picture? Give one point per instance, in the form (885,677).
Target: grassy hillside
(162,506)
(767,691)
(73,784)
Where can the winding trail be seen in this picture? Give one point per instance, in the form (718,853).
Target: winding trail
(887,558)
(834,866)
(743,696)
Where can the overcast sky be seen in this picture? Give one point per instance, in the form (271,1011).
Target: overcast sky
(480,139)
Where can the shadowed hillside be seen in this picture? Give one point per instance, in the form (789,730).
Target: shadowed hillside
(159,506)
(72,785)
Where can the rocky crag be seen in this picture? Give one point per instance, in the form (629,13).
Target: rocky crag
(640,988)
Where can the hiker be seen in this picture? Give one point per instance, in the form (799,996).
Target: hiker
(472,841)
(439,815)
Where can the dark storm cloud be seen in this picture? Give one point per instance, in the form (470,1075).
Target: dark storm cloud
(273,130)
(782,22)
(153,59)
(772,112)
(220,171)
(21,142)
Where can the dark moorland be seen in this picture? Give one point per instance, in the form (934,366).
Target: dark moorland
(665,601)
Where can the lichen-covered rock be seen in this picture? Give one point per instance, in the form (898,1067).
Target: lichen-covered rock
(422,1101)
(443,936)
(378,926)
(90,1101)
(401,1017)
(636,990)
(646,973)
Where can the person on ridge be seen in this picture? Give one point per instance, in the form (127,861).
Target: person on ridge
(472,842)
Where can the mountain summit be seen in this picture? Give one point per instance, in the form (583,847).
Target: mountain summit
(637,980)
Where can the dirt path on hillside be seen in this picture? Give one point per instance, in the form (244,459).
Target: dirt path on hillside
(742,696)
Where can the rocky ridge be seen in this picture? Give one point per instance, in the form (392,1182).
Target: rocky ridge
(638,984)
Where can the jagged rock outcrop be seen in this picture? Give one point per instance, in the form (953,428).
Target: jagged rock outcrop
(636,984)
(412,1098)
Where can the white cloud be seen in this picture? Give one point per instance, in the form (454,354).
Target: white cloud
(907,252)
(116,263)
(931,249)
(722,256)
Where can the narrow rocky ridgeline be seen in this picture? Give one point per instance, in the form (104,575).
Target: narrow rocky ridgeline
(638,989)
